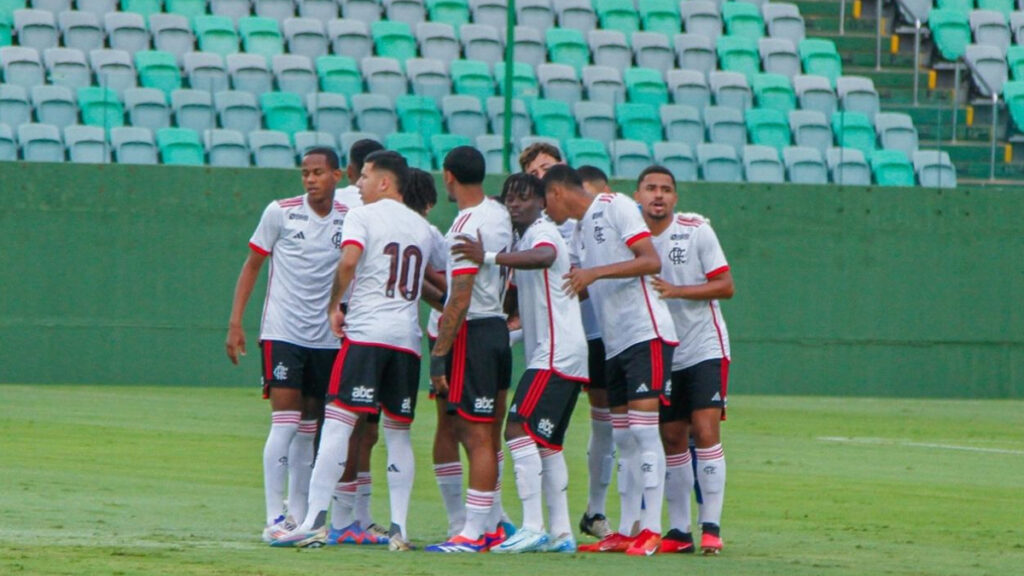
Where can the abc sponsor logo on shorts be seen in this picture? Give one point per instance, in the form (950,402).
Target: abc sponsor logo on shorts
(362,393)
(484,404)
(406,405)
(545,428)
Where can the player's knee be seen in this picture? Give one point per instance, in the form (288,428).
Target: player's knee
(370,436)
(675,437)
(514,430)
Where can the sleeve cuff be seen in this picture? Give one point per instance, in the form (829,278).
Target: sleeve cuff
(638,237)
(717,271)
(351,242)
(460,271)
(258,249)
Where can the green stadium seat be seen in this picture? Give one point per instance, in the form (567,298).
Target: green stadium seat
(1013,95)
(9,6)
(524,81)
(454,12)
(393,40)
(568,46)
(618,15)
(964,6)
(738,54)
(1015,61)
(821,58)
(419,114)
(144,7)
(588,152)
(180,147)
(442,144)
(661,16)
(951,32)
(215,34)
(187,8)
(339,74)
(284,112)
(639,122)
(158,70)
(854,130)
(472,78)
(5,29)
(645,86)
(100,107)
(410,145)
(261,36)
(553,118)
(768,127)
(743,19)
(892,168)
(774,91)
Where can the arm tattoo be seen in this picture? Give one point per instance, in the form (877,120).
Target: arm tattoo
(454,313)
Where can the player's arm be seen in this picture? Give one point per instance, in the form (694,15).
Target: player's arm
(645,262)
(351,252)
(454,314)
(718,287)
(235,343)
(433,288)
(541,256)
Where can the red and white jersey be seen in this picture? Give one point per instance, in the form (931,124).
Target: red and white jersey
(397,245)
(691,255)
(568,232)
(438,263)
(349,196)
(553,336)
(490,220)
(628,309)
(304,252)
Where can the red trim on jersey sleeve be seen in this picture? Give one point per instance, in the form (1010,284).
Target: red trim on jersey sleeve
(352,242)
(460,271)
(717,271)
(638,237)
(259,249)
(546,243)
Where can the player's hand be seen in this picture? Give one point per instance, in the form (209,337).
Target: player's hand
(438,371)
(337,319)
(577,280)
(663,288)
(235,344)
(470,249)
(514,323)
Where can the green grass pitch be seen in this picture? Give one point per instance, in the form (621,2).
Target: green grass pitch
(143,480)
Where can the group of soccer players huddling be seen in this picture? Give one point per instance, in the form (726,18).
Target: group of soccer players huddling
(601,294)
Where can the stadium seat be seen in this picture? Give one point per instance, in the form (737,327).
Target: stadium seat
(190,9)
(491,147)
(215,34)
(52,6)
(660,16)
(277,10)
(719,163)
(618,15)
(172,33)
(226,148)
(588,152)
(407,12)
(804,165)
(384,76)
(742,19)
(695,52)
(731,90)
(86,144)
(21,66)
(294,73)
(133,145)
(951,32)
(689,87)
(739,54)
(309,139)
(464,115)
(261,35)
(206,71)
(774,91)
(339,74)
(126,31)
(892,168)
(521,123)
(639,122)
(762,164)
(820,57)
(429,78)
(180,147)
(100,107)
(596,121)
(536,14)
(1015,61)
(769,127)
(437,40)
(934,169)
(576,14)
(8,145)
(990,28)
(67,67)
(79,30)
(361,10)
(858,94)
(964,6)
(237,110)
(193,109)
(419,114)
(848,167)
(250,73)
(350,38)
(1003,7)
(329,112)
(305,37)
(38,29)
(271,149)
(442,144)
(146,8)
(319,10)
(629,158)
(158,70)
(481,43)
(147,107)
(553,118)
(15,106)
(1013,96)
(489,12)
(679,158)
(1017,26)
(412,146)
(778,56)
(567,46)
(702,17)
(652,50)
(604,84)
(393,40)
(454,12)
(610,48)
(896,132)
(784,21)
(524,82)
(40,143)
(113,69)
(560,82)
(529,45)
(854,130)
(682,123)
(375,113)
(815,93)
(989,70)
(645,86)
(235,9)
(810,129)
(725,126)
(472,78)
(284,112)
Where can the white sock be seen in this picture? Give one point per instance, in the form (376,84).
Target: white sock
(556,491)
(342,503)
(630,490)
(401,470)
(330,463)
(283,426)
(528,469)
(678,486)
(497,509)
(364,494)
(449,481)
(711,477)
(600,459)
(478,509)
(651,469)
(300,467)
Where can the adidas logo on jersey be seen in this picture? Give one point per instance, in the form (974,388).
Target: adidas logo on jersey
(545,427)
(362,393)
(484,404)
(299,236)
(513,409)
(642,388)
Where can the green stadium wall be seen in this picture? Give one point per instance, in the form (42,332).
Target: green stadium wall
(124,275)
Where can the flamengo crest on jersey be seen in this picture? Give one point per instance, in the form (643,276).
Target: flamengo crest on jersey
(628,309)
(690,255)
(304,252)
(491,222)
(552,327)
(397,245)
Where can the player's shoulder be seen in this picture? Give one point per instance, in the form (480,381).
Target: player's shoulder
(691,220)
(286,203)
(341,207)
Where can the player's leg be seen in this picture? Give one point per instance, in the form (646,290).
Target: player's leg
(497,522)
(398,403)
(344,528)
(675,433)
(284,391)
(301,454)
(600,448)
(549,422)
(372,533)
(448,466)
(708,409)
(528,468)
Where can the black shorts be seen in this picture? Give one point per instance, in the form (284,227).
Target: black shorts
(479,365)
(696,387)
(638,372)
(543,404)
(369,377)
(287,365)
(595,363)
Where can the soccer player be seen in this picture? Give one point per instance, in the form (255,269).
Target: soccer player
(619,261)
(471,360)
(694,276)
(556,356)
(537,159)
(385,250)
(301,235)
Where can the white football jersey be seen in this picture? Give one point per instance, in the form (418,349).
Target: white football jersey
(438,263)
(628,309)
(304,253)
(568,232)
(397,244)
(490,220)
(553,337)
(349,196)
(690,255)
